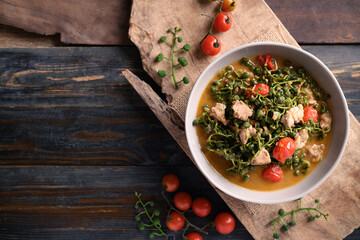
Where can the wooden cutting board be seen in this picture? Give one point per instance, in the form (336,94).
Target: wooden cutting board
(253,21)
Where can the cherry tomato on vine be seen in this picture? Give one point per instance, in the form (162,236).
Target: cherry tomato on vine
(272,173)
(182,201)
(193,236)
(310,113)
(175,221)
(228,5)
(284,149)
(171,182)
(224,223)
(211,45)
(222,22)
(268,59)
(201,207)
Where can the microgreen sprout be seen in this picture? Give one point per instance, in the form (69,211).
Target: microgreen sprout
(286,226)
(154,221)
(181,61)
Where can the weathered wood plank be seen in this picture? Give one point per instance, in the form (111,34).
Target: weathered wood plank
(325,21)
(40,202)
(94,202)
(79,22)
(320,21)
(69,106)
(12,37)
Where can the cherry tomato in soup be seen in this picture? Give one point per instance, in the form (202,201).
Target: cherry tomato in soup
(260,88)
(201,207)
(171,182)
(222,22)
(193,236)
(268,59)
(211,46)
(175,221)
(182,201)
(224,223)
(272,173)
(284,149)
(228,5)
(310,113)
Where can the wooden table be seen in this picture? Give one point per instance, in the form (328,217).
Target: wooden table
(76,140)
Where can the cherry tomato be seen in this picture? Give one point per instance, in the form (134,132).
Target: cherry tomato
(272,173)
(211,46)
(228,5)
(263,91)
(268,59)
(175,221)
(182,201)
(171,182)
(194,236)
(222,22)
(201,207)
(284,149)
(310,113)
(224,223)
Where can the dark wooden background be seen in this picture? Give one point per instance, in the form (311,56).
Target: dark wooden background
(76,140)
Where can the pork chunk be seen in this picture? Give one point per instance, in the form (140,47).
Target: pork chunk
(218,113)
(311,97)
(262,158)
(293,115)
(316,152)
(246,133)
(241,110)
(325,121)
(301,138)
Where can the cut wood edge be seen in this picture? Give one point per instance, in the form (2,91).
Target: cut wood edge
(161,109)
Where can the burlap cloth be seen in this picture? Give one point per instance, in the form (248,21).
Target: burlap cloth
(339,194)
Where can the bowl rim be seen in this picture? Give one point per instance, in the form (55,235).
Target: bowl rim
(188,125)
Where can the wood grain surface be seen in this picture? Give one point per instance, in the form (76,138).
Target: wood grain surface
(78,22)
(76,141)
(106,22)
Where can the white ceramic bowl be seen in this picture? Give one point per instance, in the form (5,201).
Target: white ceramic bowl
(340,125)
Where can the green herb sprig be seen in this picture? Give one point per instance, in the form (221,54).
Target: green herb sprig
(154,222)
(181,61)
(286,226)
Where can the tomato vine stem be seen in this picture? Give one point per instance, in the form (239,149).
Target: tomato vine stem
(182,214)
(157,226)
(212,23)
